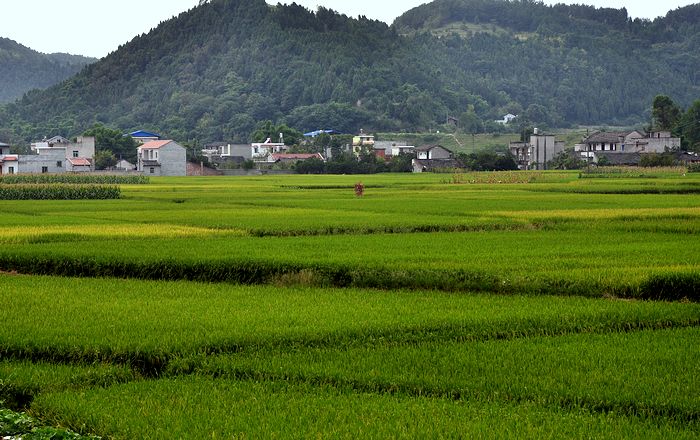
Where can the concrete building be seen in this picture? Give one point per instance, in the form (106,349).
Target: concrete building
(507,119)
(362,142)
(535,154)
(628,142)
(434,158)
(9,164)
(55,155)
(162,158)
(218,152)
(260,152)
(433,152)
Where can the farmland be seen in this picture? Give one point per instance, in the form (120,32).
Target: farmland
(536,304)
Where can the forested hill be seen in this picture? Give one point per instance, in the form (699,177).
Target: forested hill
(213,72)
(23,69)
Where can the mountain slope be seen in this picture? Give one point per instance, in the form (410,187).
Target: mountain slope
(22,69)
(213,72)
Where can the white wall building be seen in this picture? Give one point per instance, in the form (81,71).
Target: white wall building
(535,154)
(260,152)
(628,142)
(162,158)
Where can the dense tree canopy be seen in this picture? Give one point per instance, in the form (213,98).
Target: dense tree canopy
(213,72)
(23,69)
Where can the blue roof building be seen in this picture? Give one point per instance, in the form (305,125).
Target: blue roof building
(144,136)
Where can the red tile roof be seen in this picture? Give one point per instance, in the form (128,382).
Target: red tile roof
(154,145)
(79,162)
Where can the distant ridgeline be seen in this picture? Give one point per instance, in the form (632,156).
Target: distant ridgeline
(22,69)
(213,72)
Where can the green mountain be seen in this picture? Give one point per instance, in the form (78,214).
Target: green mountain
(213,72)
(23,69)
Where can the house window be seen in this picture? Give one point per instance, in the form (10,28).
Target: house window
(152,170)
(11,170)
(59,164)
(76,153)
(44,170)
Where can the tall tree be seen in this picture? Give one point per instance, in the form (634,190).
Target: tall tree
(666,113)
(112,141)
(690,127)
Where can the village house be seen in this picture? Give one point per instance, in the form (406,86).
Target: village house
(162,158)
(260,152)
(55,155)
(8,162)
(633,141)
(219,152)
(537,152)
(124,165)
(507,119)
(434,157)
(362,142)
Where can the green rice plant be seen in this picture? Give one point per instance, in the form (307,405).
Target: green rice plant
(21,381)
(147,324)
(564,262)
(58,192)
(83,179)
(672,286)
(631,172)
(649,374)
(195,407)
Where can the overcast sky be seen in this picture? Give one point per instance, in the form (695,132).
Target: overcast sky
(95,28)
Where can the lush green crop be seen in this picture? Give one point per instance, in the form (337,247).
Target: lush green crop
(147,323)
(199,407)
(544,350)
(58,192)
(98,179)
(20,381)
(627,263)
(648,373)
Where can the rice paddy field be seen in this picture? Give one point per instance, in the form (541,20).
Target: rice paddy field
(490,305)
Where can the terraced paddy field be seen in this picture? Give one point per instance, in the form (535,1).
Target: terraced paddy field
(526,305)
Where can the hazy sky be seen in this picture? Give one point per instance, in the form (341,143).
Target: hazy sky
(95,28)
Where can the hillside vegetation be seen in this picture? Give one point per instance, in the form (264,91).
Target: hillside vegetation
(22,69)
(213,72)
